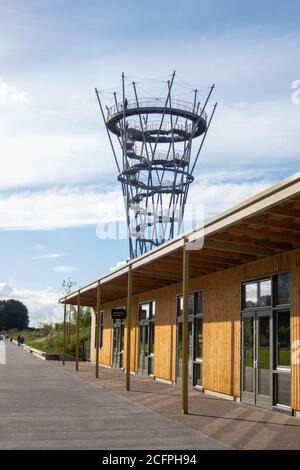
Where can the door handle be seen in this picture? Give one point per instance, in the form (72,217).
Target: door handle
(255,364)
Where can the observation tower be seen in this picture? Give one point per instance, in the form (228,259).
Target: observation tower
(159,139)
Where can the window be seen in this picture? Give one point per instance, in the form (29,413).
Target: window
(283,353)
(147,313)
(144,311)
(282,289)
(283,390)
(265,293)
(195,337)
(101,317)
(198,337)
(258,294)
(251,295)
(198,302)
(266,341)
(195,304)
(179,311)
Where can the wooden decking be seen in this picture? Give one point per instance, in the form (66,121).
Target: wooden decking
(233,424)
(44,406)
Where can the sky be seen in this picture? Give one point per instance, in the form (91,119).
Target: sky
(58,177)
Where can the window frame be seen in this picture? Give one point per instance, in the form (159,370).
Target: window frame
(151,334)
(101,328)
(279,306)
(258,282)
(192,317)
(274,309)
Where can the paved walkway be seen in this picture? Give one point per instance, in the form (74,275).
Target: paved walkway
(47,406)
(237,425)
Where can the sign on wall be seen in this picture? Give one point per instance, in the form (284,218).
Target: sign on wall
(118,313)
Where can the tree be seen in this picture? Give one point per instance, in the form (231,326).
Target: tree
(13,314)
(85,317)
(67,286)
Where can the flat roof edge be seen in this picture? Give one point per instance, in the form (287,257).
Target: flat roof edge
(283,190)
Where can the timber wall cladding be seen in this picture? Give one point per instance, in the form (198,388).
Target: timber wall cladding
(221,330)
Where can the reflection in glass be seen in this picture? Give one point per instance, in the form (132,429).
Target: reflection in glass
(153,310)
(190,350)
(248,325)
(265,293)
(198,337)
(146,337)
(151,365)
(283,339)
(146,342)
(198,302)
(152,332)
(144,311)
(251,295)
(141,346)
(118,343)
(191,304)
(179,349)
(264,355)
(191,301)
(179,306)
(283,289)
(283,388)
(198,375)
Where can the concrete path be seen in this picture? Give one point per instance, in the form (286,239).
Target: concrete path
(42,406)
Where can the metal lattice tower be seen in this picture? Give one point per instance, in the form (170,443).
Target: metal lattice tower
(155,161)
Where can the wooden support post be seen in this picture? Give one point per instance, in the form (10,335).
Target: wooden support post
(185,328)
(64,344)
(129,312)
(77,330)
(97,329)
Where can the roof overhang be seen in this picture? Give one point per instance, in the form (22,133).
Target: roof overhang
(261,226)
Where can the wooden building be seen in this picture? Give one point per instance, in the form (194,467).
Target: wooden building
(217,309)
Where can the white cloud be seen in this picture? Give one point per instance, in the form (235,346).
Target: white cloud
(223,193)
(242,135)
(5,290)
(118,265)
(42,304)
(40,158)
(37,247)
(65,269)
(75,206)
(49,256)
(9,94)
(248,134)
(57,208)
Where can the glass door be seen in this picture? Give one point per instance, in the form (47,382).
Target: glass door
(144,348)
(263,360)
(195,338)
(248,359)
(198,351)
(282,366)
(257,358)
(179,351)
(266,341)
(118,344)
(146,338)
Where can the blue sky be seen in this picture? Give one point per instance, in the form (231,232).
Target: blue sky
(58,176)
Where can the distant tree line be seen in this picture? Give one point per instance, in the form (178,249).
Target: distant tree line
(13,315)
